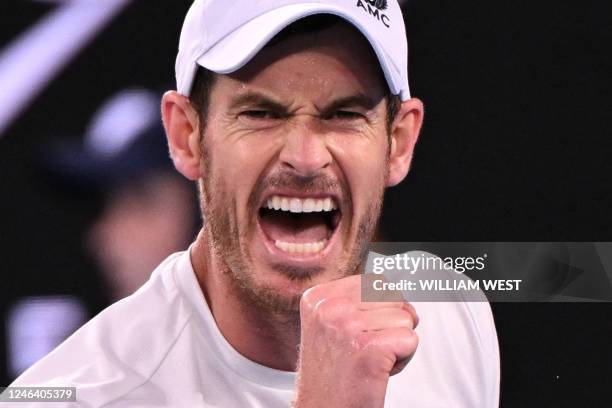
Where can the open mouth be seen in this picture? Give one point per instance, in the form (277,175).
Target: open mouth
(299,225)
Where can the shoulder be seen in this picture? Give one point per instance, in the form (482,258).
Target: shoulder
(122,347)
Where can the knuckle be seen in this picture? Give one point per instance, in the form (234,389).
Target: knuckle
(407,321)
(309,299)
(326,308)
(410,339)
(414,317)
(335,313)
(365,340)
(346,324)
(323,311)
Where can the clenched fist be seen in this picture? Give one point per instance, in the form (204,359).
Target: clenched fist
(349,348)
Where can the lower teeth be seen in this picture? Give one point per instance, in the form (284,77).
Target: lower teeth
(307,248)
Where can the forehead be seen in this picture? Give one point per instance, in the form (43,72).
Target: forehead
(336,59)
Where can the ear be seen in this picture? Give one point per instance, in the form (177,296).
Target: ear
(183,133)
(404,134)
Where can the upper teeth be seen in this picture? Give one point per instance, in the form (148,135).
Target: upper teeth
(300,205)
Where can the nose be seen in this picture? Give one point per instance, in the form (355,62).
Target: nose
(305,151)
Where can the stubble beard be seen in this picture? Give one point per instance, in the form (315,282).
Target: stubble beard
(228,244)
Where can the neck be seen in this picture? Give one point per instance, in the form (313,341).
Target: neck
(270,338)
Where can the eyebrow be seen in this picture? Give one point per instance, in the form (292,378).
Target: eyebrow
(358,99)
(260,100)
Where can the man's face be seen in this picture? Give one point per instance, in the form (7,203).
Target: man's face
(301,127)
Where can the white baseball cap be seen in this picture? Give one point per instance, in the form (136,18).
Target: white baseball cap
(222,36)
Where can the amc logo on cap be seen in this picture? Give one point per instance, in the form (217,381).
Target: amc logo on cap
(375,9)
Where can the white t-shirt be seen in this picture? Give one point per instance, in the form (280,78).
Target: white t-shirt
(161,347)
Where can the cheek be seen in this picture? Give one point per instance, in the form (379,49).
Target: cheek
(363,162)
(239,162)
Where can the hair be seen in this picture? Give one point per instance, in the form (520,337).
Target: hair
(205,79)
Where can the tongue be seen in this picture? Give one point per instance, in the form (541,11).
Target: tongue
(294,228)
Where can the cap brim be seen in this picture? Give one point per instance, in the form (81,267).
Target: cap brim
(238,48)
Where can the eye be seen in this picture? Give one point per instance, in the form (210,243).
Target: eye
(258,114)
(345,115)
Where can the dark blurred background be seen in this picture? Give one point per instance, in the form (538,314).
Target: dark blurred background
(515,147)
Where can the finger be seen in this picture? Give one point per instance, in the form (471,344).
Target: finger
(404,306)
(401,342)
(348,287)
(345,289)
(382,319)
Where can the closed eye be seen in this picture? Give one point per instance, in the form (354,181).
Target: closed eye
(344,115)
(259,114)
